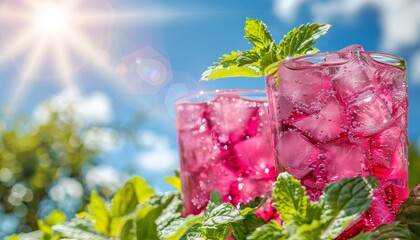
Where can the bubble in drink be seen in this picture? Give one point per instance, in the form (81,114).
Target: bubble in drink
(225,145)
(343,114)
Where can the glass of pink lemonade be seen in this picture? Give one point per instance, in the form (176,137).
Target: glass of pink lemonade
(225,145)
(343,114)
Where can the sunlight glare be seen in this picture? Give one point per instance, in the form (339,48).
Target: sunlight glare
(52,20)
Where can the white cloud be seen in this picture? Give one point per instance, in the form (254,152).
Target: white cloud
(105,179)
(287,9)
(400,20)
(94,108)
(414,67)
(158,154)
(105,139)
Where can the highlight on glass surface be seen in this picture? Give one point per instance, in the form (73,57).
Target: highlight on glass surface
(343,114)
(225,145)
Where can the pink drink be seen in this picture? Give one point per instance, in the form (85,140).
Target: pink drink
(339,115)
(225,144)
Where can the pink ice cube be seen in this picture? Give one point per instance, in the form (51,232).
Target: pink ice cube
(392,83)
(325,126)
(297,153)
(353,77)
(382,149)
(197,147)
(191,116)
(244,190)
(198,186)
(228,117)
(344,159)
(380,212)
(304,87)
(368,114)
(256,155)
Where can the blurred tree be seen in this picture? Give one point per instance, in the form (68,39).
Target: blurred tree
(414,166)
(32,157)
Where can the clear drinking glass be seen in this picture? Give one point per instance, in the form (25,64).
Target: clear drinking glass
(225,145)
(343,114)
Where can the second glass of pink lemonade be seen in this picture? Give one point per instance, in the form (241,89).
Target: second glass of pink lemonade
(343,114)
(225,145)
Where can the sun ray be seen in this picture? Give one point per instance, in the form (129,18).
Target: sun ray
(16,45)
(32,64)
(84,47)
(139,17)
(63,65)
(8,14)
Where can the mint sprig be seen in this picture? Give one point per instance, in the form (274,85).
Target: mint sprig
(265,54)
(340,203)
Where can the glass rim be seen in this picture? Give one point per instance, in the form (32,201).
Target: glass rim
(379,57)
(200,94)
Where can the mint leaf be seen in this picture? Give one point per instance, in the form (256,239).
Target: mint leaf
(142,189)
(177,228)
(272,230)
(248,225)
(99,213)
(265,55)
(343,202)
(409,214)
(216,224)
(124,201)
(256,32)
(393,230)
(77,229)
(310,231)
(300,40)
(219,71)
(290,198)
(174,182)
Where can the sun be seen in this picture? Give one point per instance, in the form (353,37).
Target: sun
(53,20)
(55,30)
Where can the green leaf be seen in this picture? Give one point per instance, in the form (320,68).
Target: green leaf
(216,224)
(290,198)
(193,233)
(300,40)
(77,229)
(99,213)
(176,229)
(256,32)
(271,230)
(174,182)
(248,225)
(253,206)
(142,189)
(391,231)
(12,237)
(124,201)
(308,232)
(219,71)
(55,217)
(215,200)
(409,214)
(343,202)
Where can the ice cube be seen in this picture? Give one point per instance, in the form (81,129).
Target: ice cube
(304,87)
(198,186)
(325,126)
(353,77)
(368,114)
(392,83)
(296,153)
(352,48)
(197,148)
(191,116)
(228,117)
(344,159)
(244,190)
(382,149)
(256,155)
(380,212)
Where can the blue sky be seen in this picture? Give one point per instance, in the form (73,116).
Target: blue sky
(154,51)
